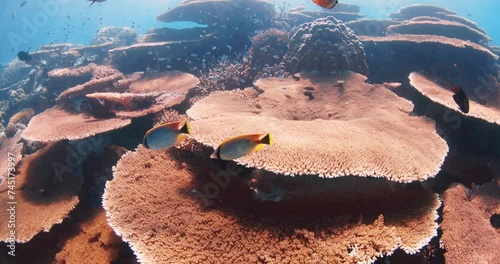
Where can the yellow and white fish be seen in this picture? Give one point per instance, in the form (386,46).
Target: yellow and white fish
(240,146)
(166,135)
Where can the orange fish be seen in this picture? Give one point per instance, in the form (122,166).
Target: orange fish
(240,146)
(326,3)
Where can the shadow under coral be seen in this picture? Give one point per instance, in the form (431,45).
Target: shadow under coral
(194,208)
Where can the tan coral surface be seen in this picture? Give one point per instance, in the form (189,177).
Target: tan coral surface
(468,236)
(332,126)
(56,124)
(96,243)
(44,193)
(166,206)
(444,97)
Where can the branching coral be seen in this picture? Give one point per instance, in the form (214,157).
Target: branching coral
(324,125)
(325,45)
(229,225)
(268,48)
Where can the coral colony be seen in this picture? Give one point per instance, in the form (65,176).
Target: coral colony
(371,160)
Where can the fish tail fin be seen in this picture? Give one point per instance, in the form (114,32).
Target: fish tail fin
(267,139)
(185,128)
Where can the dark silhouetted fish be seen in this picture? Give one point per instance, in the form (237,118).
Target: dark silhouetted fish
(24,56)
(460,98)
(93,1)
(24,3)
(326,3)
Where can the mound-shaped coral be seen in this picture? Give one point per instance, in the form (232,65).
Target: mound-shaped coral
(325,45)
(444,97)
(45,188)
(468,234)
(324,125)
(119,36)
(230,226)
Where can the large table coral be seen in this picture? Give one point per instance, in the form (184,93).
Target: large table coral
(191,219)
(45,192)
(331,126)
(444,97)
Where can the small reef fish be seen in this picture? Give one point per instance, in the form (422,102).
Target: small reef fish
(166,135)
(460,98)
(326,3)
(93,1)
(24,56)
(24,3)
(13,14)
(240,146)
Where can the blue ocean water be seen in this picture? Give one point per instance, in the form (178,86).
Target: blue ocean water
(41,22)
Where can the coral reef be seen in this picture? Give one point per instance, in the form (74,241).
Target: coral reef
(189,50)
(413,11)
(268,48)
(102,77)
(325,45)
(225,74)
(151,94)
(444,97)
(231,226)
(296,16)
(10,148)
(370,27)
(13,73)
(394,57)
(22,117)
(45,193)
(468,235)
(58,123)
(436,26)
(118,36)
(327,117)
(96,243)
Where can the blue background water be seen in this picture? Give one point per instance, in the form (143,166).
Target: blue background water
(52,25)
